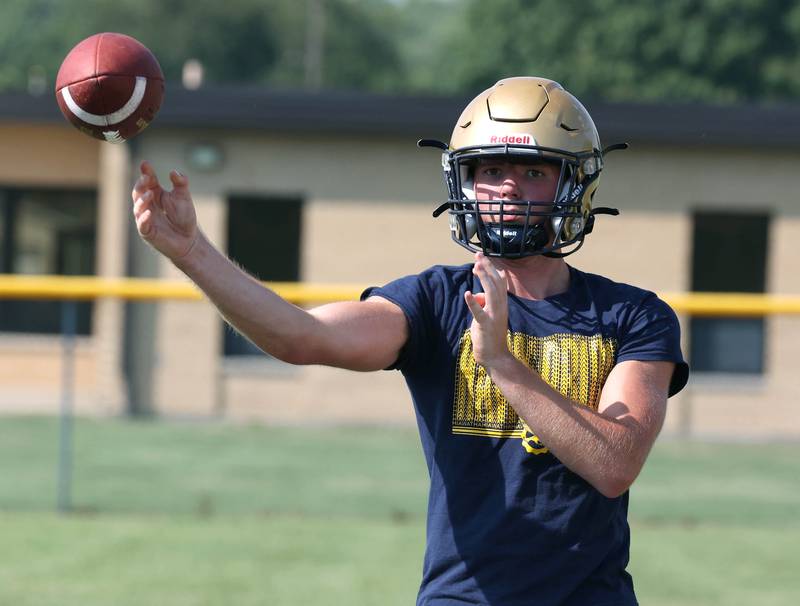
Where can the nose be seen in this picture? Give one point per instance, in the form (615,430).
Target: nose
(509,189)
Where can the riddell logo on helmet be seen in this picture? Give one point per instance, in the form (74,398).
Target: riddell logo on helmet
(519,139)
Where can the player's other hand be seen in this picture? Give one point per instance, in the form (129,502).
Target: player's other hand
(489,309)
(165,219)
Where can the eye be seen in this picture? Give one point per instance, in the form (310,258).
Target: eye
(534,173)
(491,171)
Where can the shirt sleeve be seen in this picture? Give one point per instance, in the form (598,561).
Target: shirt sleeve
(652,333)
(410,295)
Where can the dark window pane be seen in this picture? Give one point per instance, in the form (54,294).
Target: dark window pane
(730,252)
(264,238)
(46,232)
(729,255)
(734,345)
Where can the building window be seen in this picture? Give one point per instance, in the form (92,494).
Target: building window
(46,232)
(730,255)
(264,238)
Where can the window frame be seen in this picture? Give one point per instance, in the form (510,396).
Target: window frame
(711,279)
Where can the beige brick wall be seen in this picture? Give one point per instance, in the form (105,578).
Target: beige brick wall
(315,396)
(32,375)
(58,156)
(188,338)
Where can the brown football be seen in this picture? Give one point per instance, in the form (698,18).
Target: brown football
(110,86)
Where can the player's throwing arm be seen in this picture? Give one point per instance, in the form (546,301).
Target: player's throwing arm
(356,335)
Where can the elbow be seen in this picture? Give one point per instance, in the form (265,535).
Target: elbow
(612,490)
(300,349)
(291,354)
(293,358)
(615,485)
(297,356)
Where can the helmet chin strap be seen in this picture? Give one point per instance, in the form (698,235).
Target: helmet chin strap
(515,239)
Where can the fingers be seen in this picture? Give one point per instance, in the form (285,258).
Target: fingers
(503,278)
(179,180)
(148,178)
(144,224)
(480,298)
(147,181)
(147,169)
(498,276)
(144,214)
(492,304)
(476,305)
(494,283)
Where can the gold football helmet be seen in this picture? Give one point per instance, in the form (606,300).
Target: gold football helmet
(523,120)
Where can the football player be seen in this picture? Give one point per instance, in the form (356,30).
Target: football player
(539,389)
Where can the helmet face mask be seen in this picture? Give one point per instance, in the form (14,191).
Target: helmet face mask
(523,121)
(537,226)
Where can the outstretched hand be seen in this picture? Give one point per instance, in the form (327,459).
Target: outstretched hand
(165,219)
(489,314)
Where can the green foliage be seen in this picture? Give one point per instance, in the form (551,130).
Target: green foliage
(237,41)
(429,35)
(720,51)
(682,50)
(358,49)
(33,51)
(233,40)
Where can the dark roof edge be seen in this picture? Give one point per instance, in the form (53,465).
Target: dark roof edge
(259,109)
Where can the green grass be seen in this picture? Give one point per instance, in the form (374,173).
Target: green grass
(185,560)
(196,514)
(150,467)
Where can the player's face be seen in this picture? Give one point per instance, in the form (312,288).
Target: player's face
(510,181)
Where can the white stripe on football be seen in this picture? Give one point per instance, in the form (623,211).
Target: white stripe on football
(109,119)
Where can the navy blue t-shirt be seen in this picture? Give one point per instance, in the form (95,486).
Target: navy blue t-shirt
(508,524)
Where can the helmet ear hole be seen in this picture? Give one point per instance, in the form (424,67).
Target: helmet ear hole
(466,171)
(471,224)
(463,224)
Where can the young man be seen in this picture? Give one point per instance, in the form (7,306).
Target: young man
(539,389)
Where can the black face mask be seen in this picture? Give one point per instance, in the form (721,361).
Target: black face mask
(513,239)
(553,228)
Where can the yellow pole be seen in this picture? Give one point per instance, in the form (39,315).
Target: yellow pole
(88,287)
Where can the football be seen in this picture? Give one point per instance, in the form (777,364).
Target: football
(110,87)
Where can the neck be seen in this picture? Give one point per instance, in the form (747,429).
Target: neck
(535,277)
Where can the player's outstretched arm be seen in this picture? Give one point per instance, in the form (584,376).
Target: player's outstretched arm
(355,335)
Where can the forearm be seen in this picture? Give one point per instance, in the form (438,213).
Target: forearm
(273,324)
(604,451)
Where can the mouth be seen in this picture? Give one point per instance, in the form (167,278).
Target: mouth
(506,215)
(519,218)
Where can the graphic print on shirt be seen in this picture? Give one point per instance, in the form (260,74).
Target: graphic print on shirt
(576,366)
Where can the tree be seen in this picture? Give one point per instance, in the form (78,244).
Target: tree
(358,49)
(682,50)
(235,41)
(238,41)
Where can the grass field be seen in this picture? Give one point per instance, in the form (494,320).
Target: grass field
(207,514)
